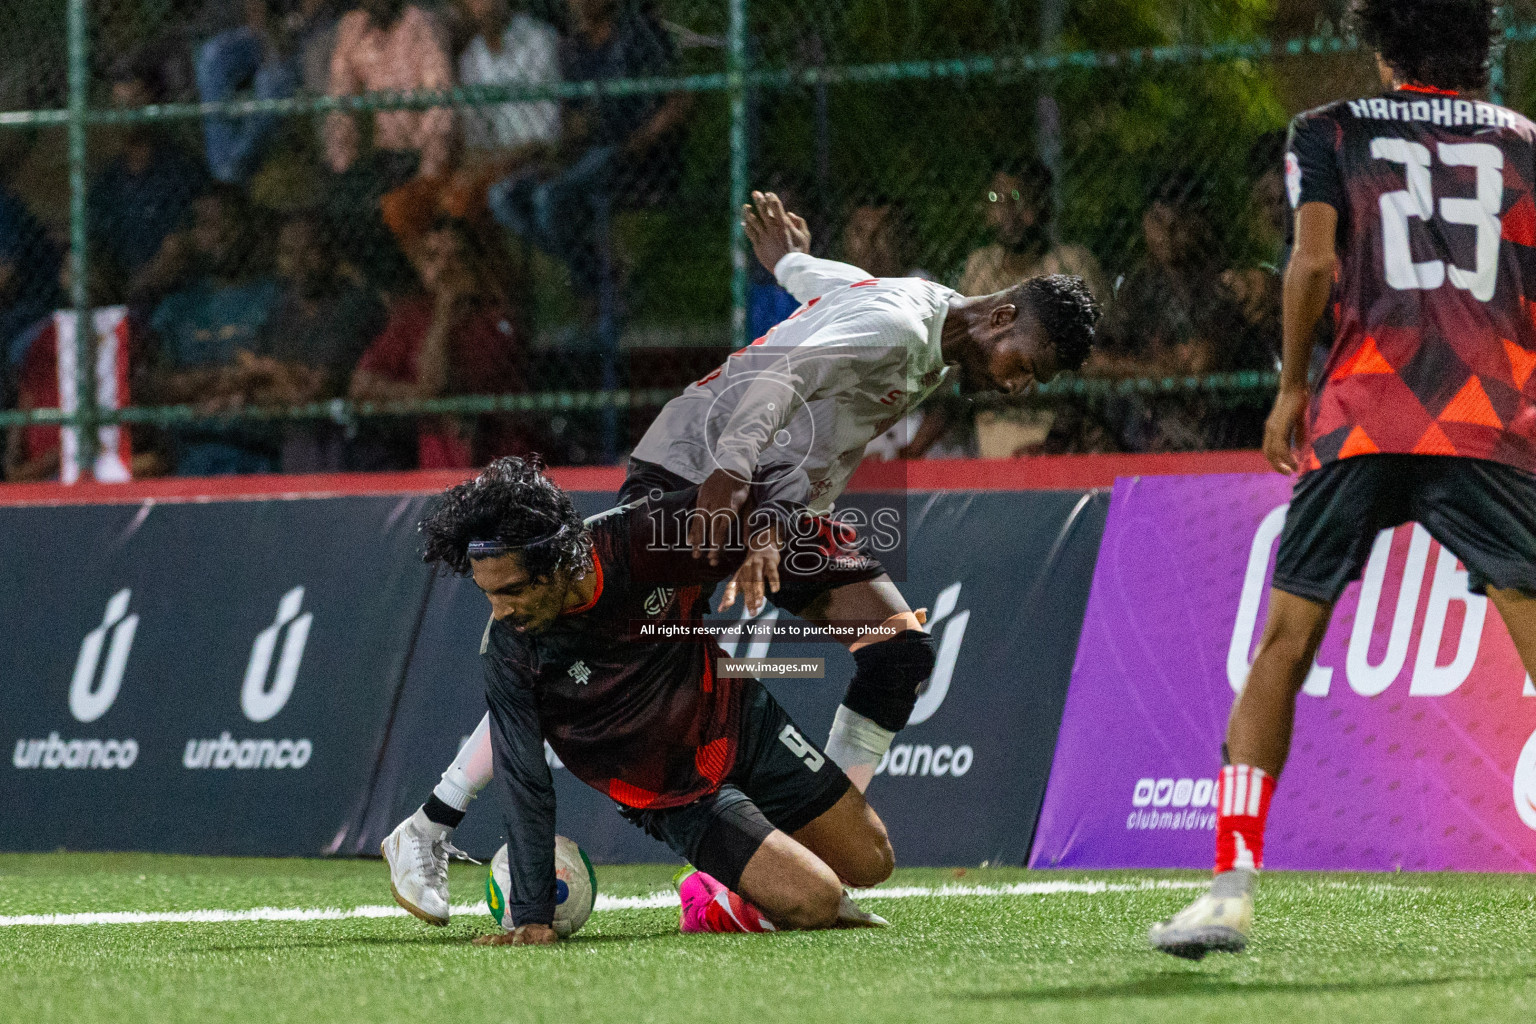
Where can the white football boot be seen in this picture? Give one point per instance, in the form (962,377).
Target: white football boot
(851,915)
(1217,922)
(418,852)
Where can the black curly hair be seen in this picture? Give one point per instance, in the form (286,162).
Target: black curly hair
(1066,309)
(515,503)
(1440,43)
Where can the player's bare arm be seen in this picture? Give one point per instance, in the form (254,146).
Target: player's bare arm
(721,496)
(1308,279)
(759,573)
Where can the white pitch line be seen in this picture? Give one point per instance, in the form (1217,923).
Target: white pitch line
(654,900)
(202,916)
(895,892)
(661,898)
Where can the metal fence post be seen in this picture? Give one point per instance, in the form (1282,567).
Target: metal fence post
(735,68)
(1496,73)
(84,419)
(1048,111)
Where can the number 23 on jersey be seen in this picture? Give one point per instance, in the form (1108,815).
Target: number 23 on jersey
(1418,201)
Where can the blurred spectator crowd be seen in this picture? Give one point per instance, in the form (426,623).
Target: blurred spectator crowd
(266,260)
(1178,309)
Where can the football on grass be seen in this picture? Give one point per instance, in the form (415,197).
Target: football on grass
(575,888)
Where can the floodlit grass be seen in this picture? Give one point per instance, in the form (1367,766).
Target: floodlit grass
(1327,948)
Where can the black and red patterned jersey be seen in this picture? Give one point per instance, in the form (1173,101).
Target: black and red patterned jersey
(1433,336)
(631,711)
(641,718)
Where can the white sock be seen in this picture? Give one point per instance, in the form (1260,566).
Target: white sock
(1237,882)
(470,771)
(855,741)
(425,825)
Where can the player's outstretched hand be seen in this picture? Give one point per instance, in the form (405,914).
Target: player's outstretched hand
(721,496)
(1286,426)
(758,575)
(773,231)
(522,935)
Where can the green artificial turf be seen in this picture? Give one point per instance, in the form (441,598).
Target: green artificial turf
(1326,948)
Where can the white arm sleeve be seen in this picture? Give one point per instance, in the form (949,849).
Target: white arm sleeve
(807,277)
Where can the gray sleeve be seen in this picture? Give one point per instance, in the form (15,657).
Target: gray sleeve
(523,786)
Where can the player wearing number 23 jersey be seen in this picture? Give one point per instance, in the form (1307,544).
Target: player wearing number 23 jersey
(1434,340)
(1415,226)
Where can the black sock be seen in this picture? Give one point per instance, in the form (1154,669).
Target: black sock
(440,813)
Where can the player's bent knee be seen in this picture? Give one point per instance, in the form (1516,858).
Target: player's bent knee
(815,906)
(873,866)
(886,678)
(851,840)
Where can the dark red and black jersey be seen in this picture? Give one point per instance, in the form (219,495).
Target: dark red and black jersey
(643,719)
(630,712)
(1434,343)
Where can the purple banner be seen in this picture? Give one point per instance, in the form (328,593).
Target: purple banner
(1415,743)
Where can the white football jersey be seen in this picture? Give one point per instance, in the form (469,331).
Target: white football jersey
(809,395)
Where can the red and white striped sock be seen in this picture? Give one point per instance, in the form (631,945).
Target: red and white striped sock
(1242,808)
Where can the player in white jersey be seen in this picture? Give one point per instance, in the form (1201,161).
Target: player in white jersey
(817,388)
(797,407)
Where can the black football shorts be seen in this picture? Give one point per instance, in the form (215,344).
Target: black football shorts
(782,780)
(1484,512)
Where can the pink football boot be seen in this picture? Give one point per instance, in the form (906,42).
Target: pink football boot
(709,906)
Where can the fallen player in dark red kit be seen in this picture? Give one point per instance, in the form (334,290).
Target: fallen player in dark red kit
(710,765)
(858,353)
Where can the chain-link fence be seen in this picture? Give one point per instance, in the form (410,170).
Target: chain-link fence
(320,237)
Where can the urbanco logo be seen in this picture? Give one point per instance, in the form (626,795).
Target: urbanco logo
(932,693)
(260,698)
(89,695)
(1525,783)
(923,759)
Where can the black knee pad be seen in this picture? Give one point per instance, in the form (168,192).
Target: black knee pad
(886,677)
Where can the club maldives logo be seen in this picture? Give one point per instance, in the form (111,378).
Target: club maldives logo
(1525,783)
(1427,566)
(1168,803)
